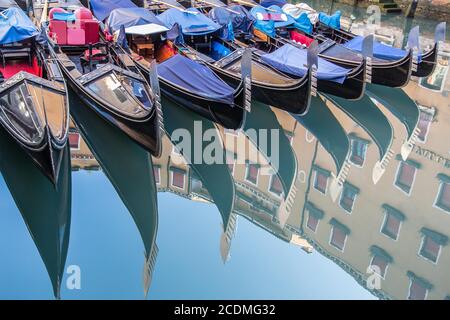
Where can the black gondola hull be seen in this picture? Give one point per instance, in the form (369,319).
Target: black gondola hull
(144,132)
(230,117)
(353,87)
(395,74)
(294,98)
(428,63)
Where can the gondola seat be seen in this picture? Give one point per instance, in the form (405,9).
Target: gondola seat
(300,38)
(91,30)
(92,57)
(58,31)
(76,36)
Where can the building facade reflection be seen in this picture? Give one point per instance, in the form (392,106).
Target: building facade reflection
(395,230)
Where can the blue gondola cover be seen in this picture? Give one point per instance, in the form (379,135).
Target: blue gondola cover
(129,17)
(292,60)
(333,21)
(269,26)
(196,78)
(241,22)
(380,50)
(102,8)
(15,26)
(268,3)
(191,24)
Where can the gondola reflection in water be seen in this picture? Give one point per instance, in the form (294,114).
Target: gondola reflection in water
(33,99)
(135,185)
(45,208)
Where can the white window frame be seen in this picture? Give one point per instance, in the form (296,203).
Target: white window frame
(400,162)
(436,199)
(269,187)
(159,175)
(247,166)
(366,145)
(430,111)
(422,242)
(384,222)
(314,184)
(353,203)
(79,141)
(409,291)
(171,181)
(317,226)
(331,237)
(385,271)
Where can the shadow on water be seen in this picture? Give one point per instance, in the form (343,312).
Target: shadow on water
(45,208)
(366,114)
(334,138)
(262,117)
(129,169)
(215,177)
(403,108)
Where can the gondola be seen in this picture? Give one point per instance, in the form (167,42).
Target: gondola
(183,80)
(347,83)
(33,97)
(424,68)
(201,43)
(329,27)
(390,66)
(286,31)
(114,89)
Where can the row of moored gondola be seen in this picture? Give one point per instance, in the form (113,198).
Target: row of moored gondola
(213,59)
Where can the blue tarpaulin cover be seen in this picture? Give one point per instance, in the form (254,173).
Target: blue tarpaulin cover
(15,26)
(333,21)
(380,50)
(129,17)
(303,23)
(241,22)
(196,78)
(292,60)
(269,26)
(102,8)
(268,3)
(191,24)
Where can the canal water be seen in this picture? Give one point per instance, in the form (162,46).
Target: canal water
(351,201)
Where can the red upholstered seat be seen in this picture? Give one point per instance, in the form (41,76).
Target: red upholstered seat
(75,36)
(300,38)
(59,31)
(95,53)
(83,14)
(91,29)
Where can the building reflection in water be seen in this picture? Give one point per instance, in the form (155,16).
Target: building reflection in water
(397,227)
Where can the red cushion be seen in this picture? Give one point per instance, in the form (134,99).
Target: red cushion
(91,29)
(300,38)
(94,52)
(83,14)
(59,31)
(75,36)
(53,10)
